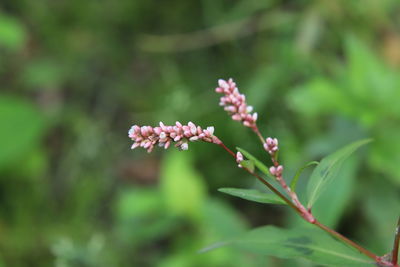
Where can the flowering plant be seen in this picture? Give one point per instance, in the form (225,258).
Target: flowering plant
(309,243)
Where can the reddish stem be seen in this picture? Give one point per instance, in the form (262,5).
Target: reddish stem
(320,225)
(255,129)
(348,241)
(270,186)
(228,150)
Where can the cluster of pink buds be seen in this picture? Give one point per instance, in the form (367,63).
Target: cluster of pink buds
(276,171)
(235,103)
(271,145)
(239,158)
(147,136)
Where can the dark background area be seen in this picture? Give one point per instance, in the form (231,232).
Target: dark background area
(75,75)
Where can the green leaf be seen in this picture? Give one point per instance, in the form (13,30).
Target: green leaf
(12,33)
(135,203)
(22,126)
(182,187)
(248,164)
(334,202)
(264,169)
(311,244)
(298,173)
(328,169)
(253,195)
(379,199)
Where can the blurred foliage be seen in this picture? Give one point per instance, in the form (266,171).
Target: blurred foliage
(76,74)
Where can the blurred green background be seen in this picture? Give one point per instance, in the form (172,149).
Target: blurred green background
(75,75)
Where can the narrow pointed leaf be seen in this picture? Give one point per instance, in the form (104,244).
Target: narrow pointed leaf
(263,168)
(328,169)
(298,173)
(253,195)
(311,244)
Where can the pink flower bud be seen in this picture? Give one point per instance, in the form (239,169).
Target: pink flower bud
(167,144)
(193,138)
(271,145)
(223,84)
(239,157)
(135,145)
(184,146)
(279,169)
(276,171)
(236,117)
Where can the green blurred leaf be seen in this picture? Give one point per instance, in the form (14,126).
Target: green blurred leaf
(264,169)
(299,172)
(335,200)
(21,128)
(380,205)
(328,169)
(182,187)
(312,244)
(43,74)
(223,219)
(385,156)
(35,164)
(140,217)
(12,33)
(136,203)
(253,195)
(317,97)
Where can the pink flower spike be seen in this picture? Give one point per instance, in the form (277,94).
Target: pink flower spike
(235,103)
(148,137)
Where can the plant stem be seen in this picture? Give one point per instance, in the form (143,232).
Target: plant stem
(395,251)
(347,241)
(227,149)
(273,189)
(326,228)
(255,129)
(270,186)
